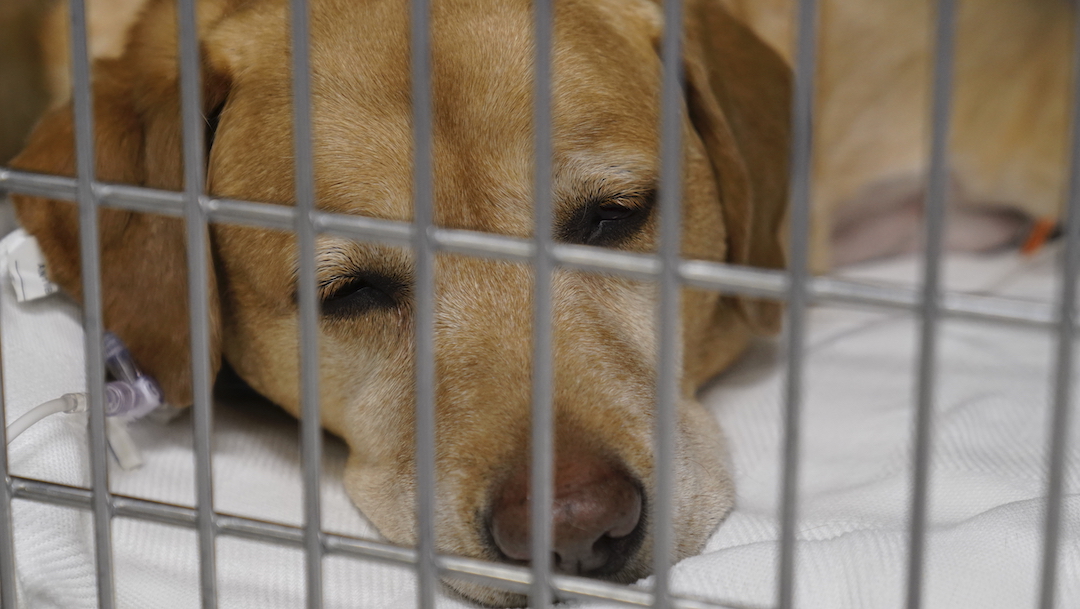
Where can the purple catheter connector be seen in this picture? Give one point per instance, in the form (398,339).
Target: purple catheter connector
(133,394)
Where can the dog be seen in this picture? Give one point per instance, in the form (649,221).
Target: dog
(1011,94)
(606,115)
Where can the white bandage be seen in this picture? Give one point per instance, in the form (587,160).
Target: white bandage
(26,269)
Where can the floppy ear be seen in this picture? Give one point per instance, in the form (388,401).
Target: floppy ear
(143,260)
(739,100)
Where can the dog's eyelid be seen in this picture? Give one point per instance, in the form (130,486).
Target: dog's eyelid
(608,220)
(343,287)
(632,201)
(329,287)
(344,294)
(386,282)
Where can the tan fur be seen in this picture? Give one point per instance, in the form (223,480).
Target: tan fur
(35,58)
(606,121)
(109,23)
(1010,120)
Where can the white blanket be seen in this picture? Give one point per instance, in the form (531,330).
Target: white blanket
(987,476)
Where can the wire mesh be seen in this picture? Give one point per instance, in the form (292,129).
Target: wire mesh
(672,273)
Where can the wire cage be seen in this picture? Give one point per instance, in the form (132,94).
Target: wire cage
(796,287)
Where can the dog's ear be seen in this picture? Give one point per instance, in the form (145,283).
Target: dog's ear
(739,100)
(144,276)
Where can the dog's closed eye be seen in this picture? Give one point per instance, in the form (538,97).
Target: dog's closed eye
(359,294)
(608,222)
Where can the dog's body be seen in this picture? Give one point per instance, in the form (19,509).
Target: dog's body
(607,74)
(1010,117)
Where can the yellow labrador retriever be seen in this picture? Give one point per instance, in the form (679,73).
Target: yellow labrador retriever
(1011,112)
(607,75)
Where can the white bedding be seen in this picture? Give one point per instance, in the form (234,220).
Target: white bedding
(987,476)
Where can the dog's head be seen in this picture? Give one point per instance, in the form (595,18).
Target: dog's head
(606,83)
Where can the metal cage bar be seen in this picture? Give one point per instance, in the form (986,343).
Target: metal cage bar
(310,423)
(7,531)
(424,316)
(1065,355)
(507,576)
(198,275)
(797,290)
(669,317)
(936,193)
(542,478)
(93,320)
(797,293)
(716,276)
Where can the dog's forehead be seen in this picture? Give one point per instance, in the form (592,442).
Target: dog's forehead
(482,85)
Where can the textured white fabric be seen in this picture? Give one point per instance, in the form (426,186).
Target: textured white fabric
(990,438)
(987,475)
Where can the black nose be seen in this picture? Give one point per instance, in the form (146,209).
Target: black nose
(596,516)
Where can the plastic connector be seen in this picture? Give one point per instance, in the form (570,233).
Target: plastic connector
(133,394)
(134,400)
(76,402)
(118,359)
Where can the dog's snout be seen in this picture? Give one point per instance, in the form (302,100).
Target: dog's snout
(596,516)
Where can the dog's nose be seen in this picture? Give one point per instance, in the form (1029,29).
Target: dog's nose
(596,516)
